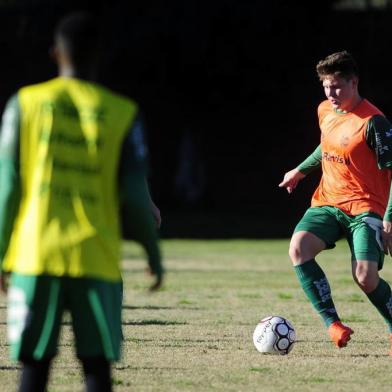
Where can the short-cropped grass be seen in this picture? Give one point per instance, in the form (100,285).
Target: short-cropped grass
(195,334)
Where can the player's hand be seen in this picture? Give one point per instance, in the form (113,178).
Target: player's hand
(291,180)
(4,281)
(156,213)
(157,284)
(386,235)
(158,280)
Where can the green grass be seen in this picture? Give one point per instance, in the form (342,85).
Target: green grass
(196,333)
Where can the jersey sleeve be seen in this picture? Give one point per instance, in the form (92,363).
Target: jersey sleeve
(9,172)
(134,154)
(379,138)
(312,162)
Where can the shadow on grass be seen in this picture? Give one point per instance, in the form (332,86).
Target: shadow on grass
(133,322)
(311,341)
(147,307)
(128,367)
(142,322)
(10,367)
(153,322)
(183,305)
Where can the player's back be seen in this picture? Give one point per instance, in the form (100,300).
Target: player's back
(71,136)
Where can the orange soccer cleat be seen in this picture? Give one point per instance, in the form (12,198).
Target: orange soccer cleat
(340,334)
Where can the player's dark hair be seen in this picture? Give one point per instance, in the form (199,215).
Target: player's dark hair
(80,36)
(337,64)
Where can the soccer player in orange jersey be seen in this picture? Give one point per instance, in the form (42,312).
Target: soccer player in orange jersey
(353,198)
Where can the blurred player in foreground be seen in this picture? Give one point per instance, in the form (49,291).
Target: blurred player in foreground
(353,198)
(71,152)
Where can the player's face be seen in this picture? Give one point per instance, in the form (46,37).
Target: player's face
(341,92)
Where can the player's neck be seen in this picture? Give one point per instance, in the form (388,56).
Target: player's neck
(72,72)
(353,104)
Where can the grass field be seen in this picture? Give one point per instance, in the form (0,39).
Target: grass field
(196,333)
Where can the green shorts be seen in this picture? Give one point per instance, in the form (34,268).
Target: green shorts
(330,224)
(36,305)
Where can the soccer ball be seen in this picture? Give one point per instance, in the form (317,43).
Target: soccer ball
(274,335)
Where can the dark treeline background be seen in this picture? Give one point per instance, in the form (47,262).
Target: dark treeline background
(228,90)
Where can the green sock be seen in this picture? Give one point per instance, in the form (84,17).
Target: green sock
(381,298)
(316,288)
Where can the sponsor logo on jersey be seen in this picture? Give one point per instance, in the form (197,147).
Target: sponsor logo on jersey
(335,158)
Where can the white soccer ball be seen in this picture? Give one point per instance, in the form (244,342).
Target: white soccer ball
(274,335)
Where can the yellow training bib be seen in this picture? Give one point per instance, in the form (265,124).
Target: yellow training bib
(70,144)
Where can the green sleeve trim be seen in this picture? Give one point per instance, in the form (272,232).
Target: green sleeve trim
(312,162)
(134,153)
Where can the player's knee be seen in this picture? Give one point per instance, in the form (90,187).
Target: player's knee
(366,281)
(304,246)
(296,252)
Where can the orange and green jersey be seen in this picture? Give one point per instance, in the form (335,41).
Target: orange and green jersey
(70,146)
(355,154)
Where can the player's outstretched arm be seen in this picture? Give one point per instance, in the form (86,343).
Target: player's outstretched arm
(311,163)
